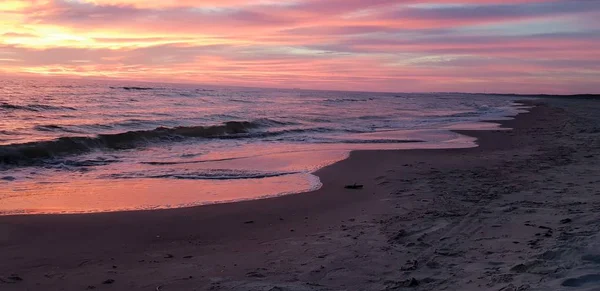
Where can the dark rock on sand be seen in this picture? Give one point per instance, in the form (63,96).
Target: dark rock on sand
(108,281)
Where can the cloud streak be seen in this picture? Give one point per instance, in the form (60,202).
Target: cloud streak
(384,45)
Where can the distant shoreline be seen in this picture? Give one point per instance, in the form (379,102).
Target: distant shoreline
(572,96)
(132,83)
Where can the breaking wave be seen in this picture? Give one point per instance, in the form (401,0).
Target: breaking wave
(135,88)
(53,128)
(33,107)
(214,174)
(371,141)
(27,153)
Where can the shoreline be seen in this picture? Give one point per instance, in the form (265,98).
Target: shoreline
(309,241)
(464,134)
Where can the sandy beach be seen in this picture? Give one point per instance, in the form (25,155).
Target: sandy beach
(519,212)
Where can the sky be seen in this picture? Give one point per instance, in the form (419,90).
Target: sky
(517,46)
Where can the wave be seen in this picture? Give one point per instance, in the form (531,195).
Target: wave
(135,88)
(293,131)
(214,174)
(41,151)
(241,101)
(79,164)
(33,107)
(27,153)
(53,127)
(341,100)
(373,117)
(186,162)
(464,114)
(370,141)
(272,122)
(319,120)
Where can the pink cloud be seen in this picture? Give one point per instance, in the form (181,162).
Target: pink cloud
(350,44)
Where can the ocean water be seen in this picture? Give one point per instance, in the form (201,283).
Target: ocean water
(71,146)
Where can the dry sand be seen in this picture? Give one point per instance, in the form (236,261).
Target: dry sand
(520,212)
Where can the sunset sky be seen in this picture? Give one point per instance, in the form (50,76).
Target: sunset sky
(524,46)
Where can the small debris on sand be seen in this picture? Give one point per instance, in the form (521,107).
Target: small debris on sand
(566,220)
(354,186)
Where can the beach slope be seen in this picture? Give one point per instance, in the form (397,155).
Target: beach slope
(519,212)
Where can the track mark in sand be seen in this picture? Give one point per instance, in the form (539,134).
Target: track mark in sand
(526,267)
(582,280)
(512,287)
(592,258)
(446,248)
(11,279)
(400,235)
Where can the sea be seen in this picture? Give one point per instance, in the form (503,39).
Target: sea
(82,146)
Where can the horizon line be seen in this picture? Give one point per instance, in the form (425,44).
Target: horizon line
(182,82)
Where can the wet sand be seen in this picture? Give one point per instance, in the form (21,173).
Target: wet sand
(519,212)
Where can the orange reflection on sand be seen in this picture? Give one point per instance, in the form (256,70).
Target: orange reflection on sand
(142,194)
